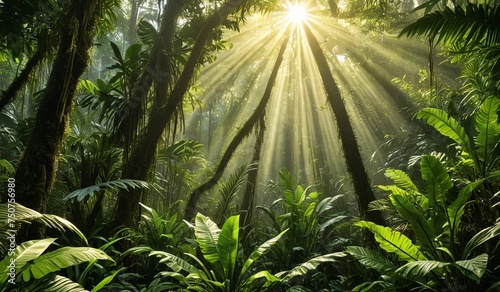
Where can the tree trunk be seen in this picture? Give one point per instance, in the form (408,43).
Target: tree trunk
(350,145)
(141,159)
(8,95)
(334,8)
(248,197)
(259,112)
(37,169)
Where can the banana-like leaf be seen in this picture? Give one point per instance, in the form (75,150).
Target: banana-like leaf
(487,127)
(311,264)
(24,252)
(456,209)
(475,265)
(106,280)
(419,269)
(401,179)
(447,126)
(256,254)
(437,180)
(270,278)
(27,215)
(228,245)
(121,184)
(59,259)
(59,283)
(207,236)
(372,259)
(480,238)
(174,262)
(420,225)
(393,241)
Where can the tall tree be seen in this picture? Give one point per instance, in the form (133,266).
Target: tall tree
(36,172)
(257,115)
(354,161)
(141,158)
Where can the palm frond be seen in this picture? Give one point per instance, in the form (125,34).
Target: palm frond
(121,184)
(476,25)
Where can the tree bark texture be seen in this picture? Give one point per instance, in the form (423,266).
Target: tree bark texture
(258,114)
(141,159)
(37,169)
(354,161)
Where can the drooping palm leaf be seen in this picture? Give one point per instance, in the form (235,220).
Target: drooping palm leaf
(23,253)
(59,259)
(372,259)
(121,184)
(393,241)
(477,24)
(311,264)
(27,215)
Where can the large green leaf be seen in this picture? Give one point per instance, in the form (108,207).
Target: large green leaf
(310,265)
(420,225)
(207,236)
(437,180)
(419,269)
(59,259)
(58,284)
(256,254)
(480,238)
(24,252)
(456,209)
(174,262)
(27,215)
(393,241)
(488,128)
(475,265)
(447,126)
(372,259)
(228,245)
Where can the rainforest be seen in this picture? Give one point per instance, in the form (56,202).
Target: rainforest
(247,145)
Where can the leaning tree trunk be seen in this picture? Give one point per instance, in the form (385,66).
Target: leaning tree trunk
(37,169)
(8,95)
(247,202)
(355,166)
(141,158)
(257,115)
